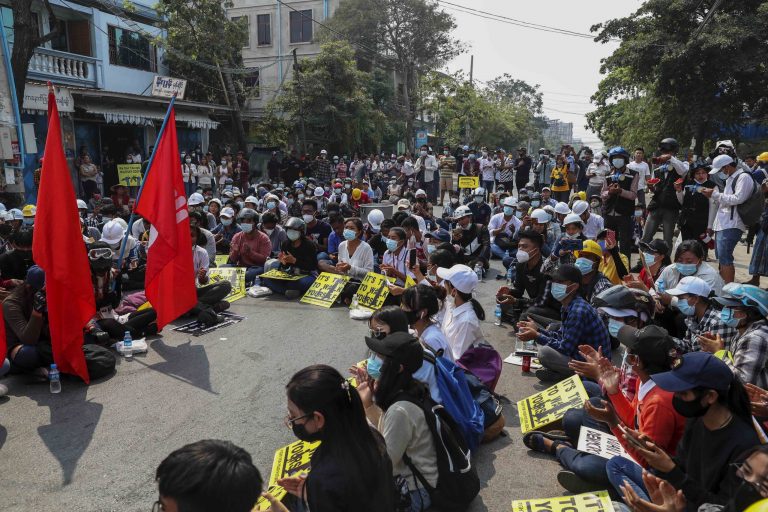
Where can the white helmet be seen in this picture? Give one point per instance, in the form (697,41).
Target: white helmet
(251,199)
(195,199)
(461,212)
(479,191)
(81,205)
(580,207)
(375,218)
(562,209)
(510,201)
(540,215)
(572,218)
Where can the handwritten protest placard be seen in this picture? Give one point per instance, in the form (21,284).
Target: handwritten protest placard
(601,444)
(290,460)
(549,406)
(598,501)
(325,290)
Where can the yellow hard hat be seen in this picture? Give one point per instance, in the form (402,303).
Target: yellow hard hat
(582,195)
(763,157)
(591,247)
(29,210)
(356,194)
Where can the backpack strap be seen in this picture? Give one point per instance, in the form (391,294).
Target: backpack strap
(405,397)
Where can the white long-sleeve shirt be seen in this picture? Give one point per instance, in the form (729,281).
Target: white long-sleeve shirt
(727,213)
(462,328)
(594,225)
(430,166)
(496,222)
(361,262)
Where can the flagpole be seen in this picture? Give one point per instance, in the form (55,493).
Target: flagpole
(141,187)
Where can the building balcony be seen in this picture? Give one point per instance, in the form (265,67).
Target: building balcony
(63,68)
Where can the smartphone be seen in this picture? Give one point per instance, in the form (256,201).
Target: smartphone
(611,235)
(631,439)
(572,245)
(412,258)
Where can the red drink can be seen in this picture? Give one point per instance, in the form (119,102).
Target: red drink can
(526,364)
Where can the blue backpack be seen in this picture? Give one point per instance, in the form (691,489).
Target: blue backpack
(457,398)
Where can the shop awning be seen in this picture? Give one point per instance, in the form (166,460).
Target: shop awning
(146,116)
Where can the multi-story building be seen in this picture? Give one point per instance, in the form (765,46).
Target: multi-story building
(102,63)
(558,132)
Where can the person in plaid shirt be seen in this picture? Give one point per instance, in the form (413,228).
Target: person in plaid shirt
(321,168)
(702,317)
(580,325)
(745,308)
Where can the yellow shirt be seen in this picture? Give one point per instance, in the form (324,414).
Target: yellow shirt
(560,173)
(608,267)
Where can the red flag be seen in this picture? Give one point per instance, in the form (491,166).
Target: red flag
(170,276)
(58,249)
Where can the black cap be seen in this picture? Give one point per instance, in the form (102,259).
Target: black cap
(652,344)
(400,346)
(657,245)
(567,273)
(440,234)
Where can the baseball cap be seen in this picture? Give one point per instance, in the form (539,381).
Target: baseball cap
(617,313)
(400,346)
(35,277)
(80,205)
(567,273)
(589,247)
(580,207)
(657,245)
(461,277)
(227,212)
(652,343)
(403,204)
(546,188)
(323,152)
(691,285)
(195,199)
(251,199)
(693,370)
(719,162)
(510,201)
(441,234)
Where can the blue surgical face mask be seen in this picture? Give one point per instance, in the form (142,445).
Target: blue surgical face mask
(392,244)
(618,162)
(271,205)
(289,201)
(519,215)
(350,234)
(559,291)
(373,367)
(509,211)
(726,316)
(28,221)
(247,227)
(292,235)
(226,222)
(585,265)
(614,326)
(535,203)
(686,269)
(685,308)
(649,258)
(478,199)
(431,248)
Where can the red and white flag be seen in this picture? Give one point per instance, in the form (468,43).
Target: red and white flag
(58,249)
(170,275)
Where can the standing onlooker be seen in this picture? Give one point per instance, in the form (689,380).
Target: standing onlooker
(698,212)
(523,166)
(189,175)
(640,166)
(728,226)
(447,170)
(664,207)
(88,174)
(241,169)
(543,169)
(596,173)
(582,180)
(204,174)
(559,176)
(426,166)
(759,264)
(619,193)
(487,171)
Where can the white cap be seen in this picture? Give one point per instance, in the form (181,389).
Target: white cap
(319,192)
(80,205)
(375,218)
(571,218)
(510,201)
(122,222)
(420,192)
(227,212)
(479,191)
(112,232)
(719,162)
(461,212)
(540,215)
(403,204)
(461,277)
(323,152)
(215,200)
(618,313)
(691,285)
(562,209)
(195,199)
(236,191)
(251,199)
(227,194)
(580,207)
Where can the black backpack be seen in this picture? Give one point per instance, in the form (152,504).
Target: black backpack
(457,480)
(99,360)
(750,210)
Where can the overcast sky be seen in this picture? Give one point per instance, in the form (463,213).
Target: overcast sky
(566,67)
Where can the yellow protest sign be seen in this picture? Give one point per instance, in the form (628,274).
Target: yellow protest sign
(221,259)
(290,460)
(129,174)
(373,291)
(469,181)
(235,275)
(550,405)
(325,290)
(283,276)
(598,501)
(409,282)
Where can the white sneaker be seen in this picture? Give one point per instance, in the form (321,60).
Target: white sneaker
(259,291)
(3,390)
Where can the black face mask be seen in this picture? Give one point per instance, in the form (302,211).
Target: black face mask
(745,495)
(300,431)
(692,409)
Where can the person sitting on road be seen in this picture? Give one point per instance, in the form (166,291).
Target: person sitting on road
(580,325)
(251,247)
(207,240)
(471,240)
(225,231)
(355,257)
(298,257)
(588,261)
(570,240)
(208,476)
(274,231)
(502,227)
(614,265)
(394,262)
(210,297)
(421,303)
(462,321)
(26,325)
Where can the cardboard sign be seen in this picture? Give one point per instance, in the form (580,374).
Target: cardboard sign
(593,502)
(283,276)
(235,275)
(325,290)
(469,181)
(549,406)
(129,174)
(409,282)
(290,460)
(373,291)
(195,329)
(221,259)
(602,444)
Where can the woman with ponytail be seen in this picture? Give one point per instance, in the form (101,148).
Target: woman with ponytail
(461,323)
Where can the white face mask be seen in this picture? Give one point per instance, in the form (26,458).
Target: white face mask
(522,256)
(269,231)
(308,218)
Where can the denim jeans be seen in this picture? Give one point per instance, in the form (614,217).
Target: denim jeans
(251,273)
(587,466)
(726,241)
(420,500)
(620,470)
(281,286)
(661,217)
(498,251)
(574,419)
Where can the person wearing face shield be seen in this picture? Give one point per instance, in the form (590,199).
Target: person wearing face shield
(471,241)
(619,194)
(664,206)
(251,247)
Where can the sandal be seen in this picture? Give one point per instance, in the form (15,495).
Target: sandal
(535,441)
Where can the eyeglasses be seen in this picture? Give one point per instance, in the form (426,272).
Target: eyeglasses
(158,507)
(288,421)
(378,334)
(744,471)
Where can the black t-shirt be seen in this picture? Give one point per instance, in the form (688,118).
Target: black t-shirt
(319,232)
(524,168)
(14,264)
(305,254)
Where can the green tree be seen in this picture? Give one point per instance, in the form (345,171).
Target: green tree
(205,47)
(698,65)
(26,38)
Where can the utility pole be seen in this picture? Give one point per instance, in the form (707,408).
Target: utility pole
(300,95)
(472,85)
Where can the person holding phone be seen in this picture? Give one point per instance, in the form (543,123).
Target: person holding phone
(572,239)
(619,194)
(697,214)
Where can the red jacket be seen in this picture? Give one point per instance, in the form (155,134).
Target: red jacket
(654,417)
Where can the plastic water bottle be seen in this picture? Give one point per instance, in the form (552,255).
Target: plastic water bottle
(479,271)
(497,313)
(355,303)
(54,379)
(510,274)
(127,345)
